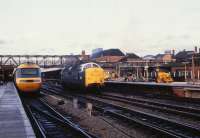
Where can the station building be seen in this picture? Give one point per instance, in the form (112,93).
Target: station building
(108,59)
(186,63)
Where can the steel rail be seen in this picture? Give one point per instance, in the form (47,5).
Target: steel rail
(53,124)
(186,111)
(174,132)
(40,131)
(157,120)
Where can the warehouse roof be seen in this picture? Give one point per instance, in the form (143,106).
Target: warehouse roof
(131,55)
(109,52)
(184,55)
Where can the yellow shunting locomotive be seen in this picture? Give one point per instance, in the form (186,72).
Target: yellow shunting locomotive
(163,77)
(83,75)
(27,78)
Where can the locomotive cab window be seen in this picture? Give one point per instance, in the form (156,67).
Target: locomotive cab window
(90,65)
(95,66)
(28,72)
(86,66)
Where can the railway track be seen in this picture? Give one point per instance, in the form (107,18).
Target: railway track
(164,107)
(160,124)
(51,124)
(163,126)
(183,101)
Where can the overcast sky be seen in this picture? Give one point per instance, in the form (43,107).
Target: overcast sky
(69,26)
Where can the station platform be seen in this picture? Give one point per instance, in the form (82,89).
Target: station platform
(14,122)
(173,84)
(179,89)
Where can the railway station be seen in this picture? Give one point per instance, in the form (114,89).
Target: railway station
(99,69)
(53,97)
(65,96)
(91,96)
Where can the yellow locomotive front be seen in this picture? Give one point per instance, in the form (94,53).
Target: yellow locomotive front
(28,78)
(94,75)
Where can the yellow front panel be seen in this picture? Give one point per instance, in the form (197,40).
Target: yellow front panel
(28,86)
(94,76)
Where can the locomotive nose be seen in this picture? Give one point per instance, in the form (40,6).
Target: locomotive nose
(94,76)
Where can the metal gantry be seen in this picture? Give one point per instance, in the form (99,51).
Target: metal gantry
(42,60)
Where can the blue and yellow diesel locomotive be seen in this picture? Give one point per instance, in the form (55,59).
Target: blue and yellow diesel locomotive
(84,75)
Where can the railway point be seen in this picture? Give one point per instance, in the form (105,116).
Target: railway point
(14,122)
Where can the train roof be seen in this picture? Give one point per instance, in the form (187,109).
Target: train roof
(81,65)
(28,65)
(50,69)
(84,64)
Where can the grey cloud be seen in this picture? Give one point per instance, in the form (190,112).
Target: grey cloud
(173,38)
(185,36)
(2,42)
(91,45)
(170,37)
(103,35)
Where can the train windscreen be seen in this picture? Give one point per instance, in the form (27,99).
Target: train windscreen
(28,73)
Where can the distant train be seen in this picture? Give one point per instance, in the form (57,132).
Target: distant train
(163,77)
(84,75)
(27,78)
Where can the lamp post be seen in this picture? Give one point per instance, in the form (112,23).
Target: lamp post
(185,64)
(147,72)
(193,65)
(193,69)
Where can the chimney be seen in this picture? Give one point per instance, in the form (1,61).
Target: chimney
(83,53)
(195,49)
(173,52)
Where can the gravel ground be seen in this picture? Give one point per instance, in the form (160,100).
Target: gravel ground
(155,112)
(101,126)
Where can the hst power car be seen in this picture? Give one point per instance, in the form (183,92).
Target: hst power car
(27,78)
